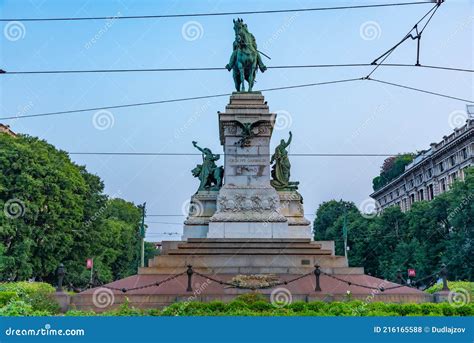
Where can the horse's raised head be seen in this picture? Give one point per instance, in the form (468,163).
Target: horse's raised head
(238,24)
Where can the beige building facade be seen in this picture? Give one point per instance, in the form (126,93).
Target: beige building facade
(432,172)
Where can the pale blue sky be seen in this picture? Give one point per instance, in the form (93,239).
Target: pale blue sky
(362,117)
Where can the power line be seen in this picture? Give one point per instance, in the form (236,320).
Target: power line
(165,215)
(158,16)
(173,100)
(421,90)
(164,223)
(228,94)
(146,70)
(198,154)
(386,54)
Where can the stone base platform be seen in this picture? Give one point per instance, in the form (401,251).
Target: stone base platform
(223,259)
(206,290)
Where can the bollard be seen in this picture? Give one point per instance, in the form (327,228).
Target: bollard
(317,273)
(190,278)
(444,275)
(60,272)
(399,277)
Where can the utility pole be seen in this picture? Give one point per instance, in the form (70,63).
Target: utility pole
(142,236)
(344,231)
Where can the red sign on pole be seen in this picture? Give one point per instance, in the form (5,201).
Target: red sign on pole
(89,263)
(411,272)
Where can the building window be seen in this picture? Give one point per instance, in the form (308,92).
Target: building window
(398,192)
(430,192)
(412,199)
(421,196)
(443,185)
(419,179)
(452,160)
(411,183)
(441,166)
(430,173)
(453,177)
(391,195)
(464,153)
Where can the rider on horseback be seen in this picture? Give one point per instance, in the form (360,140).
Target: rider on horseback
(245,56)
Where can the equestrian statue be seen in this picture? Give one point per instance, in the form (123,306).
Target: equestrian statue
(245,59)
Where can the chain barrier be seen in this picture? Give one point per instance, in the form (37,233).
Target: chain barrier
(317,272)
(154,284)
(382,289)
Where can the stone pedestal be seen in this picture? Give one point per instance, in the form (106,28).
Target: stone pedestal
(291,206)
(247,205)
(201,208)
(63,299)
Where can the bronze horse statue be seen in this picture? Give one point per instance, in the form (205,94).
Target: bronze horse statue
(245,59)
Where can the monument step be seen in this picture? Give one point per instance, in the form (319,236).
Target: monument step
(249,251)
(248,245)
(249,240)
(238,261)
(252,270)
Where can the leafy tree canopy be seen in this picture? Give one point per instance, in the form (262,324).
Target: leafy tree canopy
(392,168)
(431,233)
(53,211)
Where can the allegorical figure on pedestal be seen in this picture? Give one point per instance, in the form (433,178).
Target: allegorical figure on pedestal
(245,58)
(281,169)
(208,173)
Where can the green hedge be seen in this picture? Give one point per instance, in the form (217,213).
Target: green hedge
(28,296)
(454,286)
(6,297)
(252,305)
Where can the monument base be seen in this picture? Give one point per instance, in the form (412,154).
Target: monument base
(253,230)
(225,259)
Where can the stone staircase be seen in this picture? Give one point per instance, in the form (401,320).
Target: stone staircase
(248,256)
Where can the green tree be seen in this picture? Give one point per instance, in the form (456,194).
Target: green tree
(54,211)
(459,255)
(329,222)
(431,233)
(392,168)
